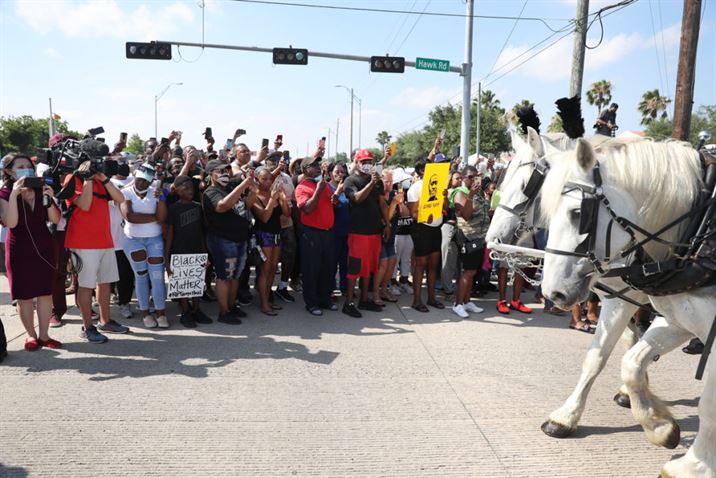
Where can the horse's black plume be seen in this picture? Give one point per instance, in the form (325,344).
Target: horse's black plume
(528,117)
(570,110)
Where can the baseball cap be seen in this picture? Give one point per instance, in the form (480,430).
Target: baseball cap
(364,155)
(441,158)
(145,171)
(213,165)
(306,162)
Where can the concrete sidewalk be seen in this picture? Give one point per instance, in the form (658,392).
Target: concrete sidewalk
(393,394)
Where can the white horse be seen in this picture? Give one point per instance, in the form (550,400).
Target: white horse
(615,315)
(649,184)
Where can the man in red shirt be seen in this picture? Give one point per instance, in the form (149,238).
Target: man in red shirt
(316,202)
(89,238)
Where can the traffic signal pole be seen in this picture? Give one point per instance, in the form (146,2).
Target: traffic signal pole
(466,84)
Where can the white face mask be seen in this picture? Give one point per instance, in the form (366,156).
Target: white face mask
(318,178)
(223,180)
(367,168)
(140,191)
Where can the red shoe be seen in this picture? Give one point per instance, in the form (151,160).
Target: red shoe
(502,307)
(518,305)
(31,345)
(50,343)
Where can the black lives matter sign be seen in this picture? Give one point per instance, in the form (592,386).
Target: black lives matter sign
(188,273)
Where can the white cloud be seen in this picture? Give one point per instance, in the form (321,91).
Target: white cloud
(103,18)
(612,49)
(53,54)
(425,97)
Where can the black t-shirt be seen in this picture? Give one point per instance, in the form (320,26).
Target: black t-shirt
(233,224)
(188,226)
(365,218)
(608,116)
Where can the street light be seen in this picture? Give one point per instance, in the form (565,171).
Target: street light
(360,118)
(156,99)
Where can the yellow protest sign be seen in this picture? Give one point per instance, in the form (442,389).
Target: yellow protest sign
(393,146)
(435,181)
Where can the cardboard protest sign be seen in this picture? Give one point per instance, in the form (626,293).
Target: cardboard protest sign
(435,181)
(188,272)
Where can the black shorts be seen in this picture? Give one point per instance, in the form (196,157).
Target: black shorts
(426,239)
(472,261)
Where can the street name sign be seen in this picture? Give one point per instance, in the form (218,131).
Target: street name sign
(432,64)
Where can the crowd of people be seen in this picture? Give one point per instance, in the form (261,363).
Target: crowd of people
(328,227)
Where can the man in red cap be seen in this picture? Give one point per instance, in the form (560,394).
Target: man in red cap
(368,220)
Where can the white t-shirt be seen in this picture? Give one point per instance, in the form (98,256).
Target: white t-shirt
(146,205)
(116,221)
(414,196)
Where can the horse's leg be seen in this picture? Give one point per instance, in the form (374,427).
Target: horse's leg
(700,460)
(648,410)
(613,320)
(629,338)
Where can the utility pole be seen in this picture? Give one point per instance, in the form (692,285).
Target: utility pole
(466,79)
(360,120)
(350,151)
(328,144)
(580,38)
(477,122)
(338,122)
(686,74)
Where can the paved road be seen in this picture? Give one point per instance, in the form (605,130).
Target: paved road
(394,394)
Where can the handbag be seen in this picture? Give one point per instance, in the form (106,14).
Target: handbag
(468,246)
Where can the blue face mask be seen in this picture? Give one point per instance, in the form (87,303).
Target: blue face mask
(24,173)
(318,178)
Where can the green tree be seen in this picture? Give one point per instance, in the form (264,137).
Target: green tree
(650,105)
(703,119)
(555,125)
(28,135)
(135,145)
(520,105)
(599,94)
(383,139)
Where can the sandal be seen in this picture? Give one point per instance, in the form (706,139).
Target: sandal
(590,323)
(50,343)
(582,328)
(276,307)
(389,299)
(379,302)
(269,312)
(437,305)
(420,307)
(554,311)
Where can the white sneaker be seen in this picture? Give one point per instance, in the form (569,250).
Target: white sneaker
(162,322)
(470,307)
(149,322)
(406,288)
(395,291)
(125,311)
(460,311)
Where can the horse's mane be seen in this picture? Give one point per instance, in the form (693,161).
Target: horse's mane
(665,176)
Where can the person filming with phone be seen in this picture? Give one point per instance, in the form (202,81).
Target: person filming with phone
(26,205)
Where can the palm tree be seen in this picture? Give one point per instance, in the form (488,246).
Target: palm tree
(650,105)
(520,105)
(600,94)
(383,139)
(555,125)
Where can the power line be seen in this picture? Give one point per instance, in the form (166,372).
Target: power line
(656,47)
(407,12)
(508,38)
(412,28)
(663,48)
(400,28)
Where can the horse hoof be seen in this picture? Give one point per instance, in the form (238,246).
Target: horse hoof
(672,441)
(556,430)
(622,400)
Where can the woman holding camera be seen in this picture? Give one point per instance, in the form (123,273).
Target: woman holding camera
(26,204)
(144,212)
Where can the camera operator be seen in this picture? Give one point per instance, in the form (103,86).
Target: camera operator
(89,238)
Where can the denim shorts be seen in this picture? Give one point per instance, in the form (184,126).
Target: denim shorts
(387,250)
(229,257)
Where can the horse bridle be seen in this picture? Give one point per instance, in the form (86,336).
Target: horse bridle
(530,190)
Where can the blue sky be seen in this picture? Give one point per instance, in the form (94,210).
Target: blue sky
(73,51)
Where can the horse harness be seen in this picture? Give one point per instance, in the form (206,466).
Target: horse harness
(531,191)
(693,264)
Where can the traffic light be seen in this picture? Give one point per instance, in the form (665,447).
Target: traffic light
(290,56)
(387,64)
(149,51)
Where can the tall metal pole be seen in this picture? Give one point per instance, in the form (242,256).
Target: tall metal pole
(328,144)
(466,79)
(477,123)
(156,99)
(686,74)
(350,152)
(580,38)
(51,123)
(360,121)
(338,122)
